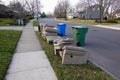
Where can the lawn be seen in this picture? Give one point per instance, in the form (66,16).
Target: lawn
(89,22)
(8,41)
(72,72)
(7,22)
(35,23)
(81,21)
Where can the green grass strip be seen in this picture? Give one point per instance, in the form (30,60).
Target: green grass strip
(72,72)
(7,22)
(35,23)
(8,41)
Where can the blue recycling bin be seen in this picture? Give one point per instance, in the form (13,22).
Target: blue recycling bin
(61,29)
(20,22)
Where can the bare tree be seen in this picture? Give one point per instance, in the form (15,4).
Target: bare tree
(37,7)
(104,6)
(16,6)
(101,11)
(31,6)
(62,9)
(84,5)
(66,8)
(89,3)
(115,8)
(58,12)
(80,6)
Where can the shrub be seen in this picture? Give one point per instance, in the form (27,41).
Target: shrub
(1,21)
(107,21)
(117,19)
(111,21)
(97,21)
(3,15)
(30,17)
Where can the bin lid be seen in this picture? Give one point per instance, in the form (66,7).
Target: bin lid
(81,26)
(61,24)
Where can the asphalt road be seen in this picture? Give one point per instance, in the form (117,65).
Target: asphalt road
(102,44)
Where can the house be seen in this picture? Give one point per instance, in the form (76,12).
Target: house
(6,11)
(71,15)
(90,13)
(118,15)
(81,15)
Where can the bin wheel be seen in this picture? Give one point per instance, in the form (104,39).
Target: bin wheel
(61,34)
(78,43)
(58,34)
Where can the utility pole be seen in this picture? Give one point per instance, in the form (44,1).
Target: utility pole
(37,11)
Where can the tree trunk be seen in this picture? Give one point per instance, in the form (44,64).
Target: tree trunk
(65,15)
(101,11)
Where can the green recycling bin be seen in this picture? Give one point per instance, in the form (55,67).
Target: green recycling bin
(79,33)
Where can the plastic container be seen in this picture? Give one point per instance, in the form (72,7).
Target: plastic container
(18,22)
(61,29)
(79,33)
(22,23)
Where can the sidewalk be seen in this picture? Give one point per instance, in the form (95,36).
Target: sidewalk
(11,28)
(29,61)
(115,27)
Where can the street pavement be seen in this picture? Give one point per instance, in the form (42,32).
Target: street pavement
(114,27)
(29,61)
(102,43)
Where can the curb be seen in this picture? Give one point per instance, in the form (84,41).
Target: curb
(102,26)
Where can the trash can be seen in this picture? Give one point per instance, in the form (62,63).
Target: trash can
(18,21)
(22,23)
(79,33)
(61,29)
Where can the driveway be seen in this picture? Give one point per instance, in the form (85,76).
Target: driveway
(103,45)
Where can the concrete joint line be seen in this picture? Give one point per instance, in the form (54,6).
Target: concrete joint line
(28,69)
(31,52)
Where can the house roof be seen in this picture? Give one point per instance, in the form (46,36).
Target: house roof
(7,10)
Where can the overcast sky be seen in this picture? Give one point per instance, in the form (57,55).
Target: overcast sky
(48,5)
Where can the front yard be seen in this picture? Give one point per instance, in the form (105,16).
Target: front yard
(91,22)
(7,22)
(8,41)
